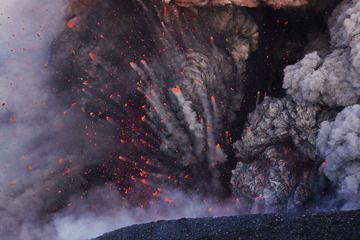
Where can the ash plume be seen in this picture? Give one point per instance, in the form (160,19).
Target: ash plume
(97,122)
(277,158)
(332,79)
(308,122)
(119,112)
(339,143)
(189,105)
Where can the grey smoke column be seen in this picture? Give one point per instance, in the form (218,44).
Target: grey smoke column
(315,86)
(339,143)
(333,79)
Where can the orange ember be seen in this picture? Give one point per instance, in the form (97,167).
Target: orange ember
(168,200)
(92,56)
(176,89)
(71,23)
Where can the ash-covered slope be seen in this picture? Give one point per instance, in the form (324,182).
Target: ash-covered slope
(337,225)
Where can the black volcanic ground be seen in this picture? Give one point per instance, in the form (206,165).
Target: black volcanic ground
(310,226)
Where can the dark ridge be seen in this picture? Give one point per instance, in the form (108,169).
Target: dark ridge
(310,226)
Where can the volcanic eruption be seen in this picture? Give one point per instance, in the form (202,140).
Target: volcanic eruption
(115,113)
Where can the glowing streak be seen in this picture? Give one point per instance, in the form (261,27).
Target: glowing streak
(168,200)
(92,56)
(60,161)
(165,11)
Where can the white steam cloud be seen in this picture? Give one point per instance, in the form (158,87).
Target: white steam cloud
(102,212)
(25,37)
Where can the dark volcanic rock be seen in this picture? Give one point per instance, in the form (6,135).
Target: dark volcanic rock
(314,226)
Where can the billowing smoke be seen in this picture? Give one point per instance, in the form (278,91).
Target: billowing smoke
(339,142)
(189,106)
(120,112)
(332,79)
(102,211)
(308,122)
(27,123)
(75,115)
(277,155)
(275,121)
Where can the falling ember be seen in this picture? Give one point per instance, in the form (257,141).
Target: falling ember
(213,99)
(218,146)
(168,200)
(143,181)
(71,23)
(29,168)
(92,56)
(143,118)
(60,161)
(142,174)
(66,171)
(165,11)
(176,89)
